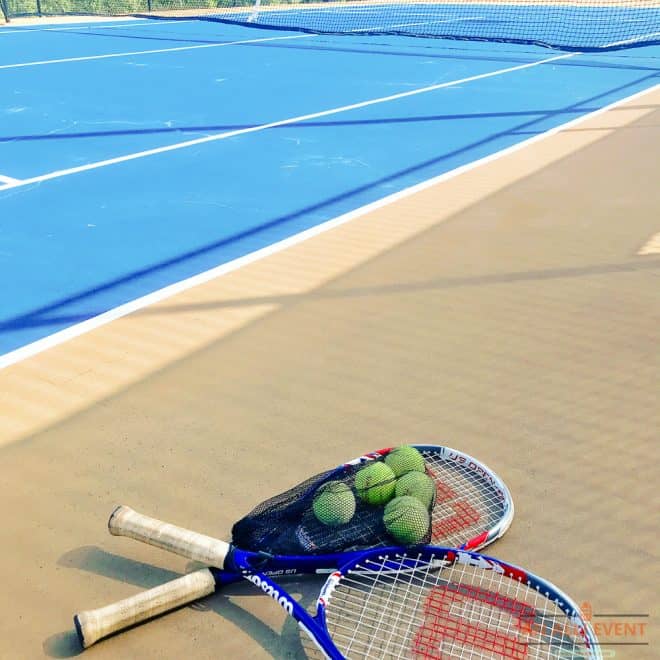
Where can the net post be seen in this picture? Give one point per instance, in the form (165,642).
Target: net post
(255,12)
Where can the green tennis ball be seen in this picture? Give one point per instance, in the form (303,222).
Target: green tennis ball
(407,520)
(334,503)
(416,484)
(375,483)
(405,459)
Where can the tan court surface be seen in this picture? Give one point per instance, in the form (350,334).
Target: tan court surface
(506,312)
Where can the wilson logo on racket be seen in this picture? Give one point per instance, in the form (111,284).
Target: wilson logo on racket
(442,628)
(279,598)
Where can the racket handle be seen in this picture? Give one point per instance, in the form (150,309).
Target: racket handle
(93,625)
(126,522)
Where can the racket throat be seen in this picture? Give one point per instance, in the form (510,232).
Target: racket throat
(238,561)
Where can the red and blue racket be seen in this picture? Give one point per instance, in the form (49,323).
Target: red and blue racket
(472,507)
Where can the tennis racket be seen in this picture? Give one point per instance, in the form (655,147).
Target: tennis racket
(472,508)
(432,602)
(421,602)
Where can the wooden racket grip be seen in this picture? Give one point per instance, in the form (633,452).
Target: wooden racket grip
(93,625)
(124,521)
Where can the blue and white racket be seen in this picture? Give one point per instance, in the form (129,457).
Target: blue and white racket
(433,602)
(472,508)
(420,602)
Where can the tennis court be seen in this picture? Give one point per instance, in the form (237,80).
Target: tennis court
(236,252)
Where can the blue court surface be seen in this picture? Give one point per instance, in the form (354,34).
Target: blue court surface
(135,154)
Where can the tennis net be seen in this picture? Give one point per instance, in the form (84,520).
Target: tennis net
(566,24)
(576,24)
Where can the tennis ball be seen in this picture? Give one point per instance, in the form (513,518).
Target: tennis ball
(375,483)
(406,519)
(405,459)
(334,503)
(416,484)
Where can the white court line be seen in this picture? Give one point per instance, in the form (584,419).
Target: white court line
(87,58)
(625,42)
(275,124)
(73,331)
(100,25)
(423,22)
(652,246)
(8,179)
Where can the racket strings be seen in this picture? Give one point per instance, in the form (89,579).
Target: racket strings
(386,601)
(394,619)
(467,501)
(410,607)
